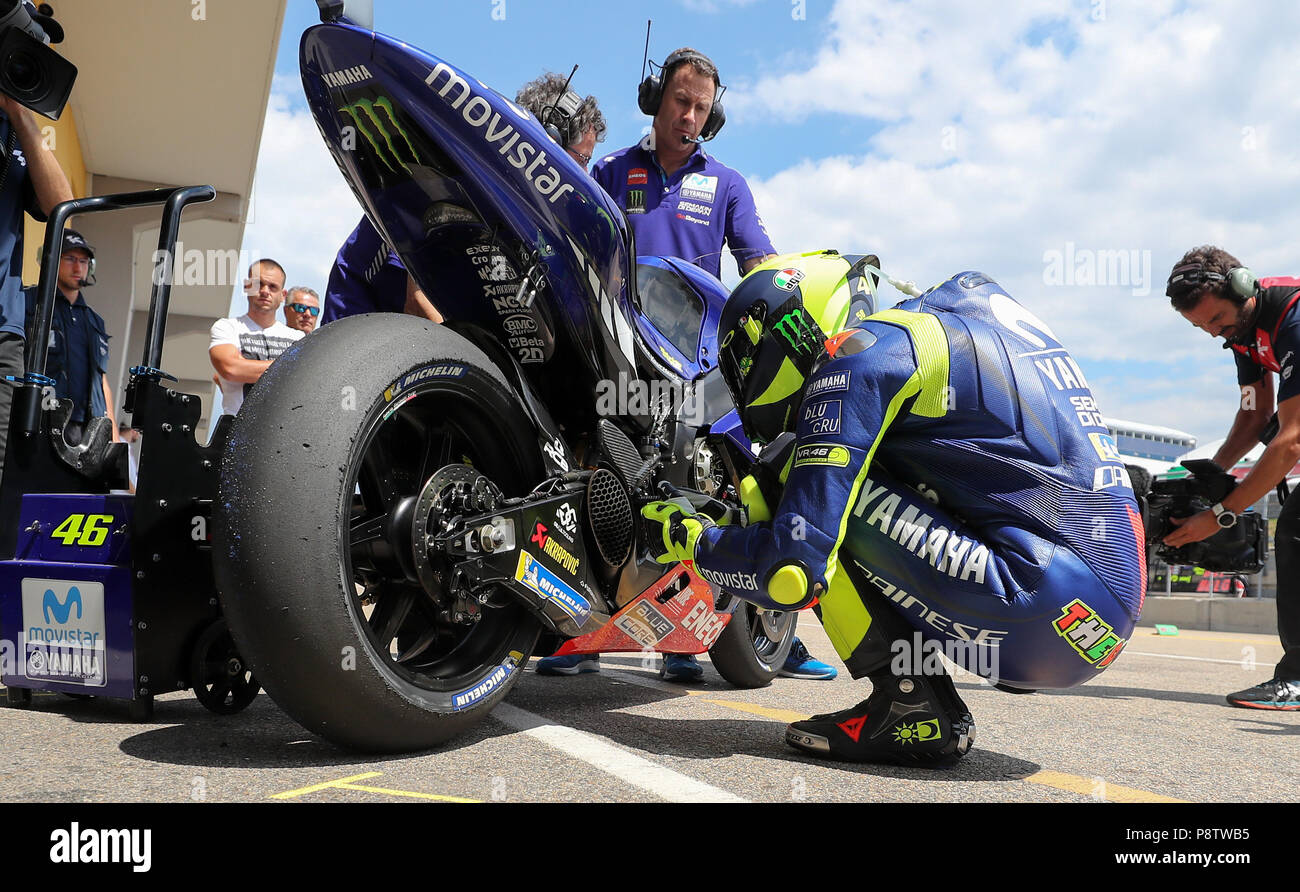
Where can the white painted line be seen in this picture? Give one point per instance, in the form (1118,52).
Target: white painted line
(595,751)
(1138,653)
(653,682)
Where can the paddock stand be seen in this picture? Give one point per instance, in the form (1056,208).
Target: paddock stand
(104,593)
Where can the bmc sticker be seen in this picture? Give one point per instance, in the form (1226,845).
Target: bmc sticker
(1090,635)
(63,631)
(821,454)
(533,574)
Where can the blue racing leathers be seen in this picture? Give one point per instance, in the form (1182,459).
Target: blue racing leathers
(951,467)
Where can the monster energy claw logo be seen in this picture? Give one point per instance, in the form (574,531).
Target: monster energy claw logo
(797,330)
(374,120)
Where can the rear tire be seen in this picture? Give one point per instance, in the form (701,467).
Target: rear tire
(316,483)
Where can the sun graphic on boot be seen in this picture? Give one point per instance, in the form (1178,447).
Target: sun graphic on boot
(906,733)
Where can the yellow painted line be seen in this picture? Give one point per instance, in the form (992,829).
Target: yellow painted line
(406,793)
(349,783)
(315,788)
(781,715)
(1087,786)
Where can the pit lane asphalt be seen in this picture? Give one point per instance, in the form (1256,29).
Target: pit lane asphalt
(1153,727)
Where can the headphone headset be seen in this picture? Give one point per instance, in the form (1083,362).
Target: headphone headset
(557,118)
(1241,281)
(651,92)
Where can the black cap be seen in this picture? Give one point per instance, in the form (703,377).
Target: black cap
(73,240)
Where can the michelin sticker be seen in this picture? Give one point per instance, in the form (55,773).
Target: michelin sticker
(63,631)
(467,698)
(545,583)
(415,377)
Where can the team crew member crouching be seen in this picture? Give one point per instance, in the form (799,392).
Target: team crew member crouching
(952,477)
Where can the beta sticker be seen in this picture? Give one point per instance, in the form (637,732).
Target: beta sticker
(824,454)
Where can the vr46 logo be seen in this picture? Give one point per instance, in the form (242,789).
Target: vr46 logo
(1089,634)
(83,529)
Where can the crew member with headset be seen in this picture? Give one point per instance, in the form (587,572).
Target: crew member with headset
(1258,319)
(78,355)
(682,202)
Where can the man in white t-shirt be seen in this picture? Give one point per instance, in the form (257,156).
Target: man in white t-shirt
(244,347)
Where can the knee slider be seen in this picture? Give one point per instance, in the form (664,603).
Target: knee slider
(788,585)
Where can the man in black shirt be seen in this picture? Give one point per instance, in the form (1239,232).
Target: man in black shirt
(78,355)
(1259,321)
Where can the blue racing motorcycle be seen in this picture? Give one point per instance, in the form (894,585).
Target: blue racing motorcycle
(404,508)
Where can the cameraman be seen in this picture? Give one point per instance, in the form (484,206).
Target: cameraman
(32,181)
(1257,318)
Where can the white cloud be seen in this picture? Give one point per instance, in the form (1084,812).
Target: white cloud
(1155,128)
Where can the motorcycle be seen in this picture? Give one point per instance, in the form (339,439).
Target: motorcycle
(406,508)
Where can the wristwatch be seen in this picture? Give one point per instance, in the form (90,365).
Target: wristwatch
(1227,519)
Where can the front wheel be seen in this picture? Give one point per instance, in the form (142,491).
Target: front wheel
(345,457)
(751,650)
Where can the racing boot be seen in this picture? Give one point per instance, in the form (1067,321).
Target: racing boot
(907,720)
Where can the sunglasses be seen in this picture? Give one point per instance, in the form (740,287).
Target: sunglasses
(303,308)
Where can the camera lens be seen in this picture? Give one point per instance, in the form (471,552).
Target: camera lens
(23,73)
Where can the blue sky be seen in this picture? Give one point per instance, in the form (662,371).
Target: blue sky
(1041,141)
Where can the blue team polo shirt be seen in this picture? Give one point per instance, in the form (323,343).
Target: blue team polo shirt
(367,277)
(16,195)
(689,214)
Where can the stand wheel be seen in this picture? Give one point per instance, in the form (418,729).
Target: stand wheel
(140,710)
(222,680)
(20,698)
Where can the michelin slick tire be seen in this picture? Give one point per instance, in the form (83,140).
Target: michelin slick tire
(311,559)
(752,648)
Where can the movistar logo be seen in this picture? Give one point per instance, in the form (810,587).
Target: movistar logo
(374,120)
(61,610)
(797,330)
